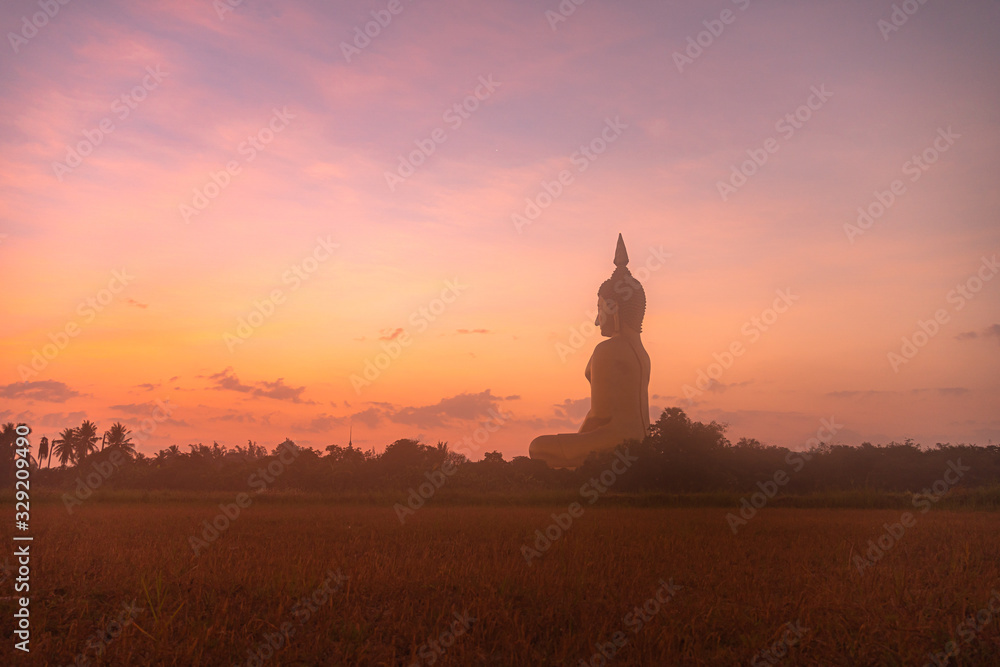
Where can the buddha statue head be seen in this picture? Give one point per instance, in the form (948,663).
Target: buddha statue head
(621,300)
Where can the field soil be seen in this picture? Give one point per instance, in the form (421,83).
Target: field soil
(309,583)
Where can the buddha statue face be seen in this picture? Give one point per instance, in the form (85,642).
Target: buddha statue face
(607,316)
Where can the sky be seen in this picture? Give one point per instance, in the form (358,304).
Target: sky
(235,221)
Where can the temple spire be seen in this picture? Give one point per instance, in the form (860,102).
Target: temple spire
(621,255)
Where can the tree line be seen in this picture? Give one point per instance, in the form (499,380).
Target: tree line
(678,456)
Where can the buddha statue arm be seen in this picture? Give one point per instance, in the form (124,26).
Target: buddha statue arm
(590,422)
(610,375)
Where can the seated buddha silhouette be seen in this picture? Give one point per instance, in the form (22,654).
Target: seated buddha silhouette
(618,372)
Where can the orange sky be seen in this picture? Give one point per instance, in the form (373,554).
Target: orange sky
(168,172)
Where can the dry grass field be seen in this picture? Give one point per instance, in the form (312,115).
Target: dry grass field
(452,587)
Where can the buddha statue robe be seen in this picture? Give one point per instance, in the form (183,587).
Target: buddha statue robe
(618,372)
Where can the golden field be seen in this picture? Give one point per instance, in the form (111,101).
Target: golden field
(383,592)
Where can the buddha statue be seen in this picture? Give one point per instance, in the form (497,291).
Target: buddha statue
(618,372)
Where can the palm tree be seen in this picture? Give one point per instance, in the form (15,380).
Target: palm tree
(65,446)
(86,439)
(8,438)
(118,436)
(43,449)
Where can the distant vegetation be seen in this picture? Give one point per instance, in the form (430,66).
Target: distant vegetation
(678,457)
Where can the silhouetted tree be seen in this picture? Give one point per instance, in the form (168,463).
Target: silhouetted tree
(86,440)
(43,450)
(65,446)
(679,455)
(410,455)
(752,444)
(493,457)
(118,437)
(285,444)
(8,439)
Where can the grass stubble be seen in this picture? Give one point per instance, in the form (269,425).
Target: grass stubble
(403,586)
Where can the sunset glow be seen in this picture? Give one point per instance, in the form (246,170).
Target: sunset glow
(254,221)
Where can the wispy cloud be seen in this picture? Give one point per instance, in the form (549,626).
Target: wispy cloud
(226,380)
(51,391)
(461,407)
(992,331)
(573,409)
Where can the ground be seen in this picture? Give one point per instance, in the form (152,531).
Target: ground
(120,582)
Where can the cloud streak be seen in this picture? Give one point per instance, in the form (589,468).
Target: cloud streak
(50,391)
(226,380)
